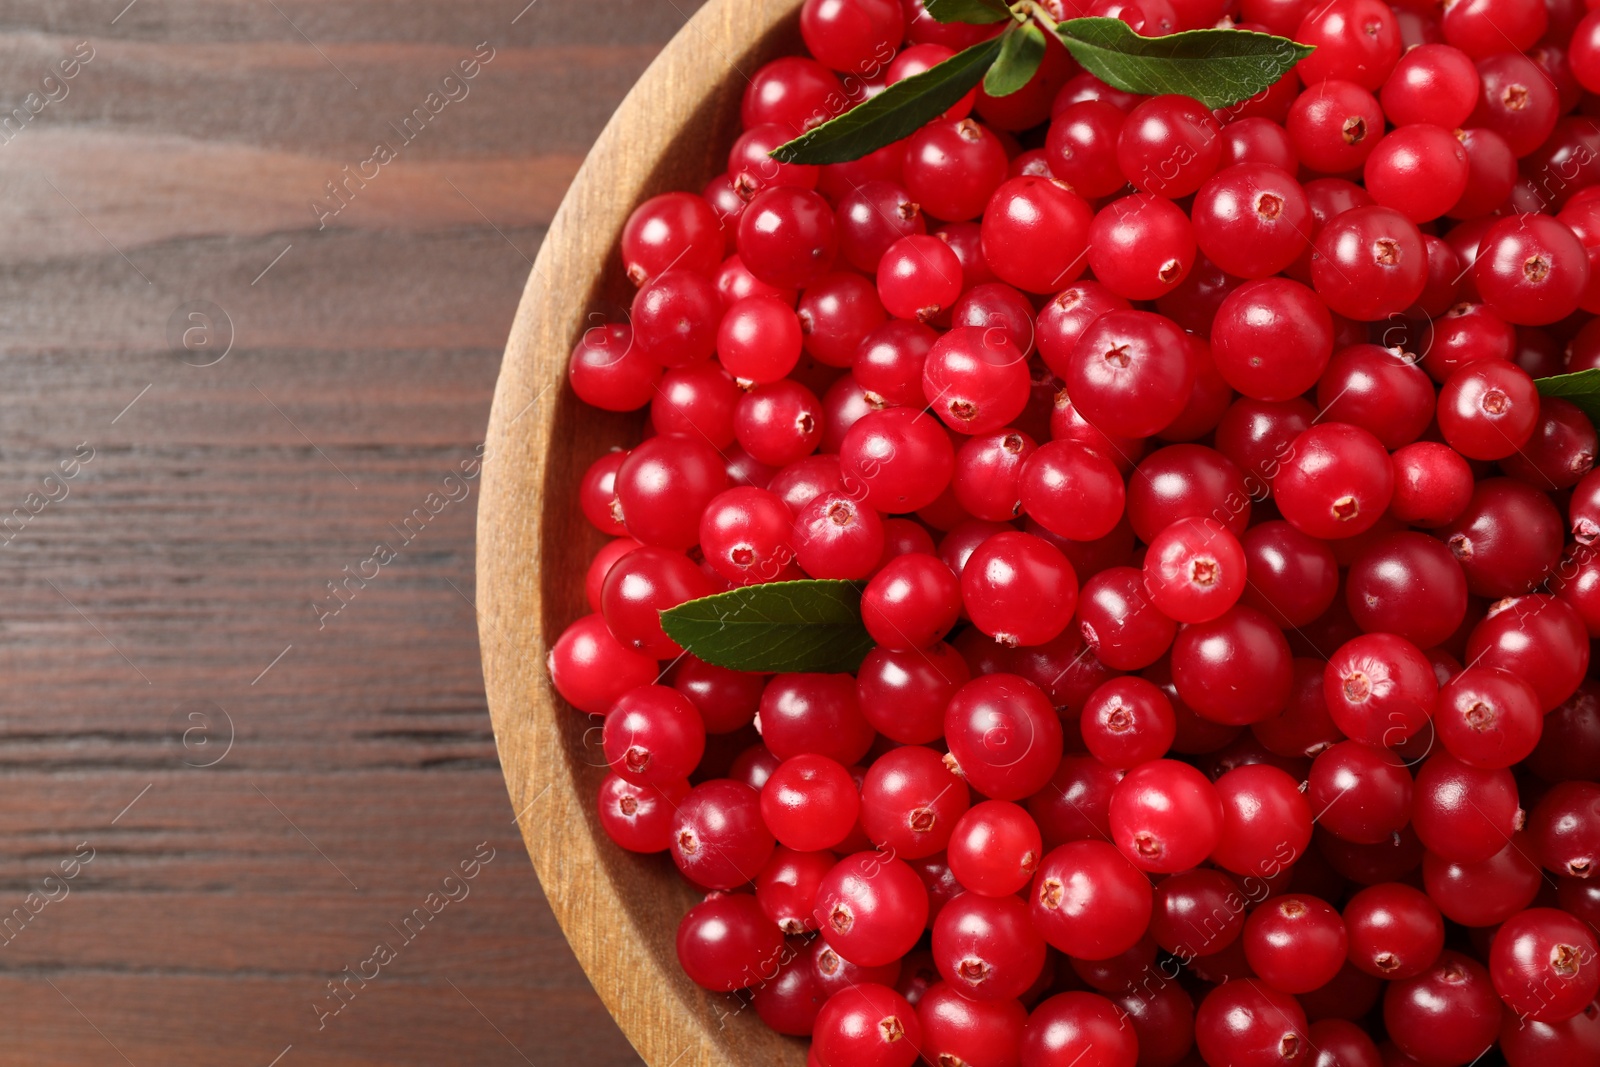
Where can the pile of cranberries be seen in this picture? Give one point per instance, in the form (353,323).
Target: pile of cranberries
(1232,585)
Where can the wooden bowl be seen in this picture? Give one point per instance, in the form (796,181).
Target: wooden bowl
(620,911)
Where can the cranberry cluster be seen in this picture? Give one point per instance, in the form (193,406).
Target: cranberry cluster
(1230,698)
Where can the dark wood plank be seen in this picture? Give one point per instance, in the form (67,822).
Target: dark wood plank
(161,603)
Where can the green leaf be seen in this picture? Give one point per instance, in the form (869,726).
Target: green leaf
(896,113)
(977,12)
(1582,389)
(1021,51)
(811,625)
(1216,67)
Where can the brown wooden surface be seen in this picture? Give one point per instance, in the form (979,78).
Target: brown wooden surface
(620,911)
(186,555)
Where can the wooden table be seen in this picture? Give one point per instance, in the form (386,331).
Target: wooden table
(238,757)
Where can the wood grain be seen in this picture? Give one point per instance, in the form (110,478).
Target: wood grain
(620,911)
(185,557)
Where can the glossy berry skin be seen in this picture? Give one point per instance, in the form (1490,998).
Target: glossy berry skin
(1360,792)
(1004,736)
(1545,964)
(664,485)
(787,237)
(718,838)
(866,1025)
(1356,40)
(995,849)
(1507,539)
(1292,577)
(988,468)
(953,166)
(986,947)
(910,802)
(1194,570)
(1169,146)
(911,603)
(871,218)
(1531,270)
(810,802)
(847,36)
(725,943)
(1246,1023)
(1081,146)
(958,1030)
(1395,931)
(653,735)
(786,889)
(1573,1042)
(1235,669)
(1165,816)
(1408,584)
(1035,233)
(1381,390)
(1266,821)
(1334,126)
(1198,912)
(1485,893)
(1487,717)
(1336,482)
(1019,589)
(1252,219)
(1074,491)
(836,537)
(871,908)
(1080,1028)
(1464,813)
(903,694)
(591,668)
(1431,83)
(1272,339)
(759,339)
(1120,622)
(1380,689)
(639,817)
(897,460)
(1128,721)
(1295,943)
(1419,170)
(1560,452)
(1369,263)
(1141,247)
(1130,373)
(813,713)
(699,401)
(1062,321)
(639,587)
(744,535)
(918,278)
(1446,1015)
(1488,410)
(672,229)
(975,380)
(608,371)
(1565,829)
(1537,637)
(597,494)
(1088,901)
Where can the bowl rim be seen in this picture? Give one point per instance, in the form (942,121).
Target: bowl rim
(592,892)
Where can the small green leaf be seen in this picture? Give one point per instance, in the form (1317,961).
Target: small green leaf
(810,625)
(977,12)
(1216,67)
(1021,51)
(897,112)
(1582,389)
